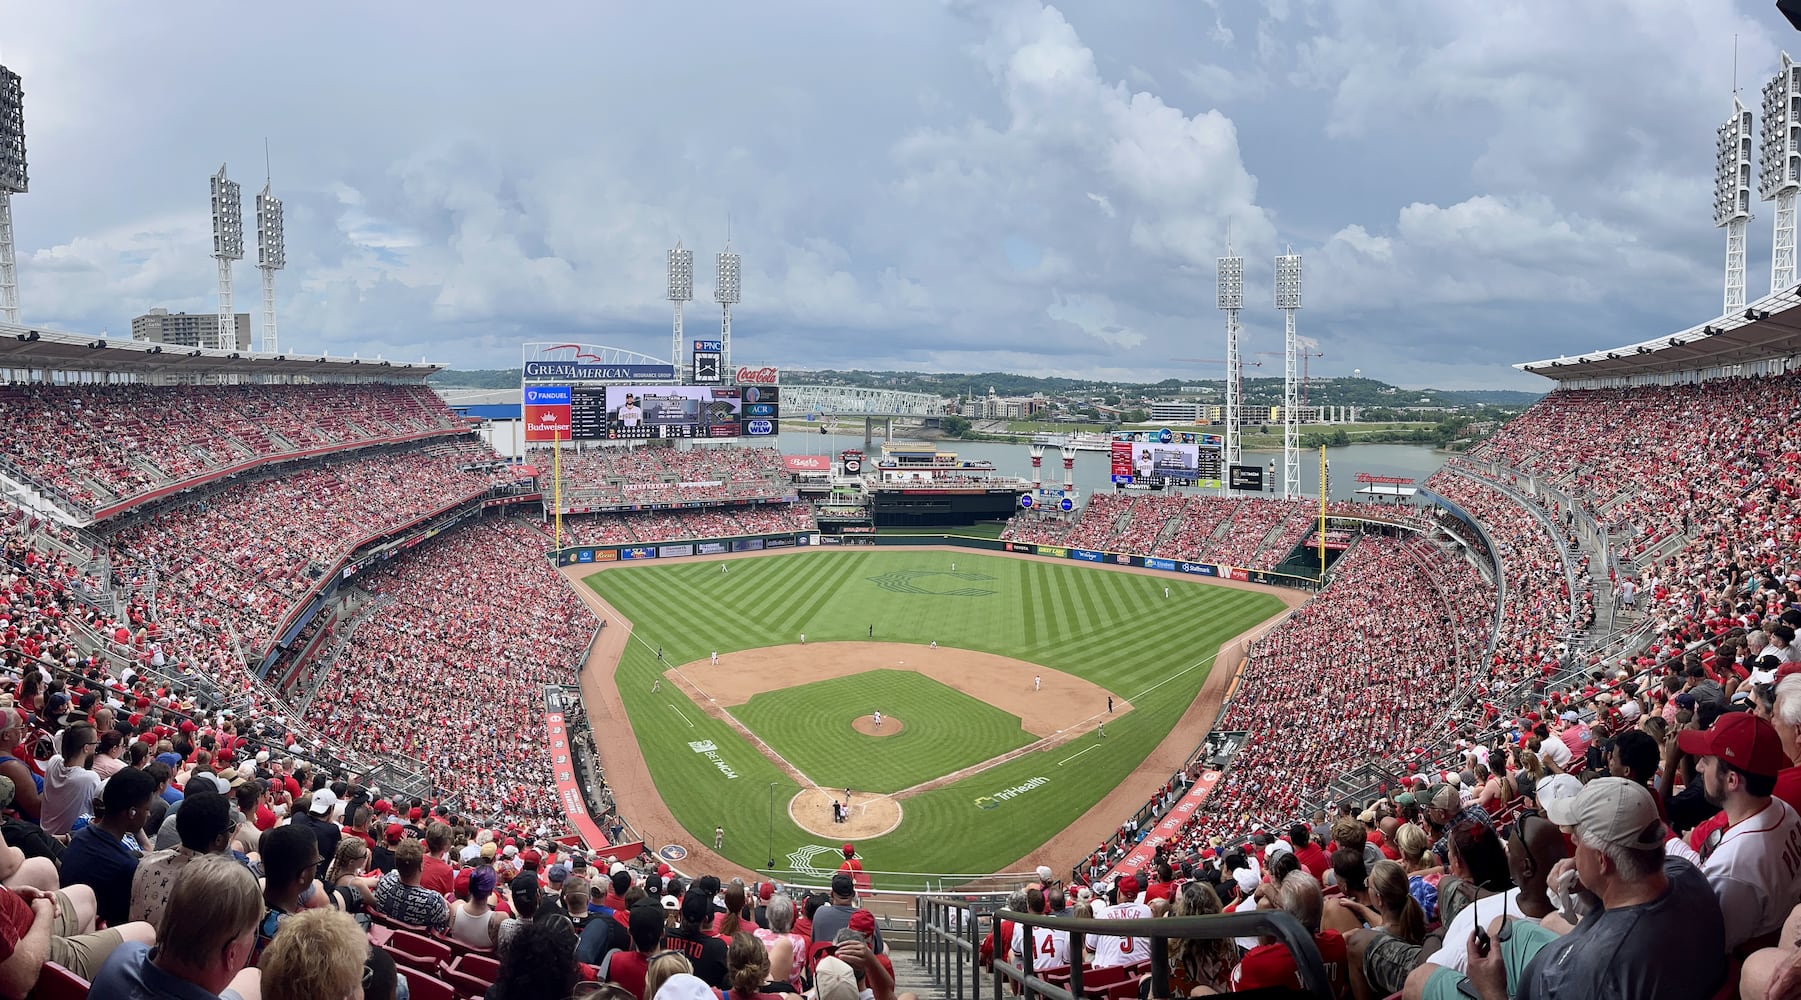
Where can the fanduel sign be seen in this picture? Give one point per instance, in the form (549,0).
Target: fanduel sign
(759,376)
(599,373)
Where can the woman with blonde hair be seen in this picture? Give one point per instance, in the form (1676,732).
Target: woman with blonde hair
(1420,867)
(663,966)
(318,955)
(347,867)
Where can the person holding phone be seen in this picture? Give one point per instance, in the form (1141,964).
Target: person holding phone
(1625,908)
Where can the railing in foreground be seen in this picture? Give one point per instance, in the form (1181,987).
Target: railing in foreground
(949,930)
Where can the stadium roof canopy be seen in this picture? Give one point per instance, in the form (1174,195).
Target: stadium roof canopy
(25,348)
(1767,329)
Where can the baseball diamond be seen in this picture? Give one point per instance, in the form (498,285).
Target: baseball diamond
(1002,670)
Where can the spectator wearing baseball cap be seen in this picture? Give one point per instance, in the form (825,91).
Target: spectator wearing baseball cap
(1743,854)
(381,856)
(1650,907)
(835,916)
(689,936)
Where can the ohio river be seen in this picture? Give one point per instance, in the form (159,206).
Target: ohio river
(1414,461)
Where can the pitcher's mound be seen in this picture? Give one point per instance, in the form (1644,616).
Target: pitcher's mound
(865,724)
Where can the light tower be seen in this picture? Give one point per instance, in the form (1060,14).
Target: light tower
(271,256)
(725,292)
(1288,299)
(1779,167)
(13,180)
(1732,199)
(681,289)
(1230,280)
(228,246)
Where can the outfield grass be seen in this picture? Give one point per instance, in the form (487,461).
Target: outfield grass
(945,729)
(1114,629)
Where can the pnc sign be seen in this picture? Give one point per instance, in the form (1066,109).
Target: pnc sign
(759,376)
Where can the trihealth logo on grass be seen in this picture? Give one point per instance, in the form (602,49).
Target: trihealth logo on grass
(711,750)
(994,801)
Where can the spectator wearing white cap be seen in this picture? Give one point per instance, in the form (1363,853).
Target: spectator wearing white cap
(1641,907)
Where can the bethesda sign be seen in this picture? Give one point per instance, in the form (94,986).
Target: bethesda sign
(758,376)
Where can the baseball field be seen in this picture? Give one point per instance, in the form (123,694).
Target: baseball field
(1014,695)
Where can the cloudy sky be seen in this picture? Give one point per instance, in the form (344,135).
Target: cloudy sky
(961,186)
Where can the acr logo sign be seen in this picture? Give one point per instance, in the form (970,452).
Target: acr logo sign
(758,376)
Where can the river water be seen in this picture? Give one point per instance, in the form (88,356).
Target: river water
(1093,468)
(1413,461)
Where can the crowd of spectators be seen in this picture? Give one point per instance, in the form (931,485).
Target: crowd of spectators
(450,670)
(231,568)
(656,526)
(1186,525)
(648,475)
(99,443)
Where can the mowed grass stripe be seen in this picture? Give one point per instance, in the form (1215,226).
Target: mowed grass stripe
(945,729)
(1127,651)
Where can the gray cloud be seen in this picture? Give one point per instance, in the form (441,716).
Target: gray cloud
(968,186)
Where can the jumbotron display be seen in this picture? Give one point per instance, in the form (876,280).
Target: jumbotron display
(646,412)
(1186,458)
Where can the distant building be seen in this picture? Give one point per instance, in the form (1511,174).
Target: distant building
(160,326)
(1166,412)
(996,407)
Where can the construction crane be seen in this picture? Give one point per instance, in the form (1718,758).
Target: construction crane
(1306,378)
(1220,361)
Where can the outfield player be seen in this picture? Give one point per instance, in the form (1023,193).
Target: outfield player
(656,685)
(1115,951)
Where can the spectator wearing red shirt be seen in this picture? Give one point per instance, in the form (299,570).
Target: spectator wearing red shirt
(1270,964)
(1307,852)
(436,874)
(1164,886)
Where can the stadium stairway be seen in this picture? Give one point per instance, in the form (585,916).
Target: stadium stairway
(910,975)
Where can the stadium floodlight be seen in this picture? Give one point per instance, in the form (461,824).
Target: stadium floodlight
(1288,299)
(14,179)
(681,289)
(1779,166)
(1230,281)
(1732,197)
(228,246)
(271,256)
(725,292)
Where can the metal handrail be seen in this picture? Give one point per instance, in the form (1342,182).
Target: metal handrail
(1309,967)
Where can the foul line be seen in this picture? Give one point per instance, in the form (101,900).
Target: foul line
(1078,753)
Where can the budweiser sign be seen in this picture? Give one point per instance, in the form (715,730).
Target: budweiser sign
(758,376)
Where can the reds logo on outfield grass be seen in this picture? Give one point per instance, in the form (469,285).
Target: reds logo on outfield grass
(924,581)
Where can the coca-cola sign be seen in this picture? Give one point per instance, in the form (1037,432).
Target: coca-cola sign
(758,376)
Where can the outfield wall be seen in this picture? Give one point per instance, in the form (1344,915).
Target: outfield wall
(599,554)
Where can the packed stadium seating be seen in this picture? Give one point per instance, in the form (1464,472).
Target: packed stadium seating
(471,629)
(98,444)
(640,527)
(644,475)
(1410,656)
(1253,533)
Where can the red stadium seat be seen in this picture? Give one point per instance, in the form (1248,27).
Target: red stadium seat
(425,986)
(480,966)
(466,985)
(58,983)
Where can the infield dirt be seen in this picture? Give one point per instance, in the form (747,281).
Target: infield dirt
(630,779)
